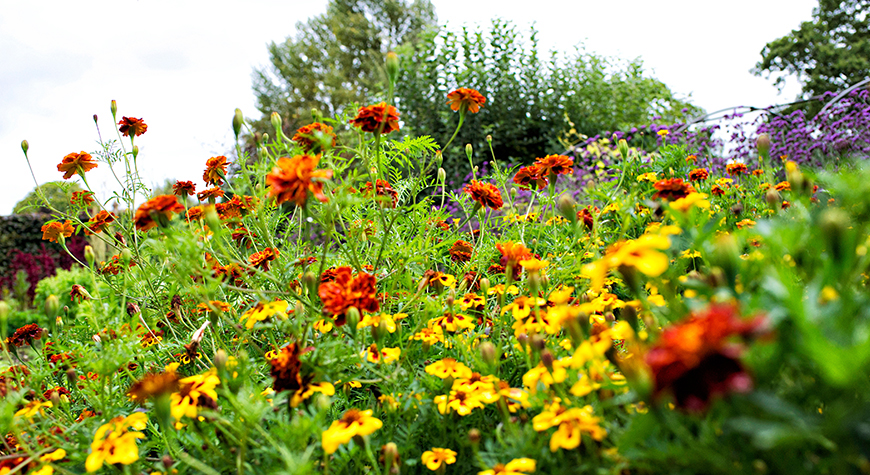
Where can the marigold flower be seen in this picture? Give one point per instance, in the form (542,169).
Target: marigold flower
(353,423)
(162,205)
(32,408)
(194,391)
(99,222)
(261,259)
(642,254)
(82,198)
(745,223)
(514,467)
(215,170)
(448,368)
(429,335)
(698,174)
(79,292)
(210,193)
(378,118)
(526,175)
(485,194)
(292,178)
(555,165)
(312,137)
(302,394)
(184,188)
(650,177)
(153,385)
(52,231)
(73,163)
(262,311)
(25,335)
(695,360)
(736,168)
(465,99)
(461,251)
(382,320)
(672,189)
(286,368)
(435,457)
(462,400)
(452,322)
(511,255)
(346,291)
(115,442)
(382,189)
(571,424)
(692,200)
(585,215)
(716,190)
(783,186)
(132,126)
(387,355)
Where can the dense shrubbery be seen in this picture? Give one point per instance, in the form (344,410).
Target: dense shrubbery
(323,312)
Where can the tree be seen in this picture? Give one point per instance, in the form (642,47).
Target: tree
(336,58)
(533,102)
(829,53)
(57,193)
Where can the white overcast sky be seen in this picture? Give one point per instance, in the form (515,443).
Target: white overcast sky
(184,66)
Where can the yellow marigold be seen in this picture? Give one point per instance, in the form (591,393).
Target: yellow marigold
(115,442)
(194,391)
(435,457)
(694,199)
(353,423)
(262,311)
(514,467)
(542,374)
(304,393)
(642,254)
(382,320)
(448,368)
(650,177)
(572,423)
(386,355)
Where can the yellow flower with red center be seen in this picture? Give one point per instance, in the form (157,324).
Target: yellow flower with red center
(304,393)
(194,391)
(546,376)
(572,423)
(452,322)
(386,355)
(460,400)
(33,408)
(642,254)
(381,321)
(262,311)
(448,368)
(353,423)
(429,335)
(522,306)
(472,301)
(514,467)
(437,456)
(115,442)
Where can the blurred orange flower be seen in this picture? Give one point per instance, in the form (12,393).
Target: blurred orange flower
(309,137)
(99,222)
(377,118)
(466,99)
(672,189)
(292,178)
(132,126)
(83,198)
(213,192)
(555,165)
(460,251)
(698,174)
(346,291)
(76,163)
(526,175)
(215,171)
(384,189)
(485,194)
(736,168)
(52,231)
(163,205)
(261,259)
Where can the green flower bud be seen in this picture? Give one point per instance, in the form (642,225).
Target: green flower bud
(622,147)
(238,120)
(277,123)
(90,257)
(392,67)
(25,146)
(566,205)
(126,256)
(488,353)
(468,150)
(114,108)
(135,152)
(763,144)
(835,224)
(442,175)
(52,306)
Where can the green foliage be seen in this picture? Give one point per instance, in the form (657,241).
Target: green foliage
(827,54)
(535,104)
(57,193)
(335,59)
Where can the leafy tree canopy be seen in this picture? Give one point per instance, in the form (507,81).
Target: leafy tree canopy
(336,58)
(57,193)
(829,53)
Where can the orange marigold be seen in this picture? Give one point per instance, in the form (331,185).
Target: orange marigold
(672,188)
(292,178)
(25,335)
(460,251)
(314,136)
(698,174)
(555,165)
(783,186)
(466,99)
(511,255)
(215,170)
(346,291)
(286,369)
(261,259)
(132,126)
(82,198)
(736,168)
(99,222)
(162,205)
(208,193)
(485,194)
(52,231)
(384,189)
(526,175)
(183,188)
(696,359)
(377,118)
(73,163)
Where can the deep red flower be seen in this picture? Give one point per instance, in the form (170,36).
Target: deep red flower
(377,118)
(346,291)
(461,251)
(25,335)
(485,194)
(697,359)
(132,126)
(383,189)
(736,168)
